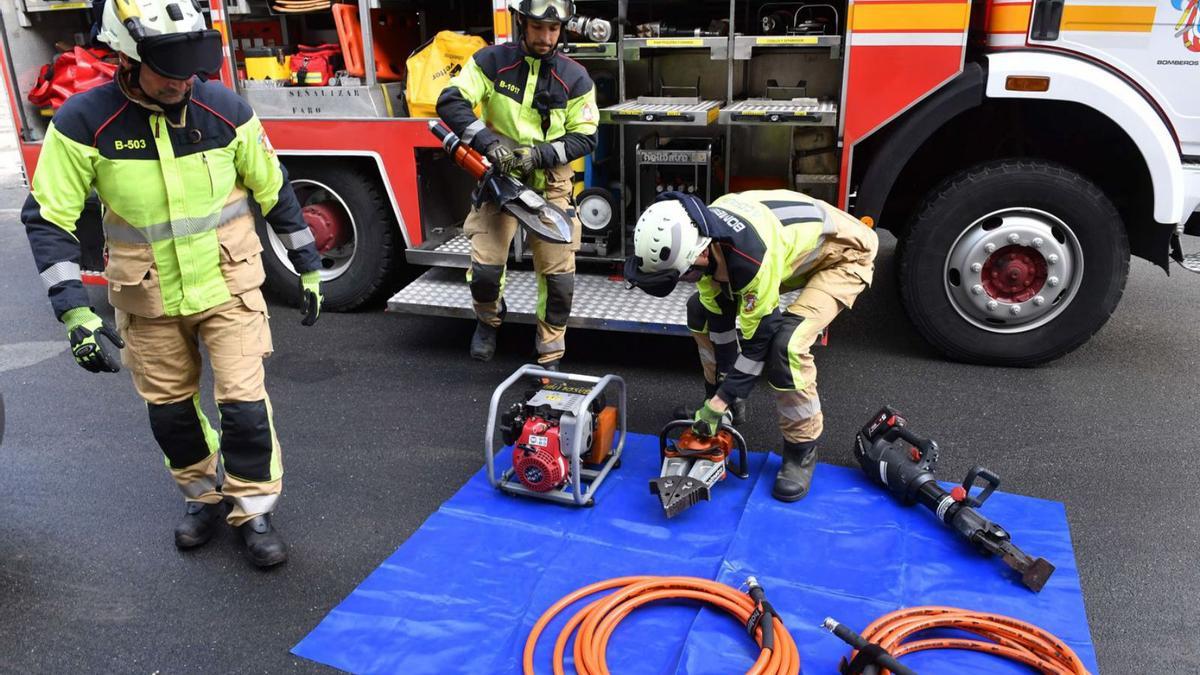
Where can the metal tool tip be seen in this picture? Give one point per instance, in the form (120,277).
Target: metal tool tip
(829,624)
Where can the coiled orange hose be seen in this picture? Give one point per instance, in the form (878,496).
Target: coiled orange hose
(597,620)
(1007,637)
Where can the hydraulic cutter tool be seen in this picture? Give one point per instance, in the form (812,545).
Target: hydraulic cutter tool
(529,208)
(904,463)
(693,464)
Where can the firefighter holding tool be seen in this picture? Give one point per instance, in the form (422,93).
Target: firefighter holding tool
(175,159)
(743,251)
(539,114)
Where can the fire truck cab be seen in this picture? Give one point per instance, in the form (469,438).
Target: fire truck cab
(1019,150)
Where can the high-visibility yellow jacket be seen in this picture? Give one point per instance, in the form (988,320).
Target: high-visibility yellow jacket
(771,241)
(548,103)
(177,222)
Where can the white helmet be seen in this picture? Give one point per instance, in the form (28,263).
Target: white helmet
(665,238)
(170,36)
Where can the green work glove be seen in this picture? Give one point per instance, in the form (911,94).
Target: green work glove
(310,287)
(84,329)
(527,160)
(707,420)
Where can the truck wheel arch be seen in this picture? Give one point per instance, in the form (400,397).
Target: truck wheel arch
(1079,81)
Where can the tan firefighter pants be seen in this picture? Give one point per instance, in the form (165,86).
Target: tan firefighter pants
(837,272)
(491,233)
(833,276)
(163,356)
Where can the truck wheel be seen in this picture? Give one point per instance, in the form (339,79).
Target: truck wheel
(355,233)
(1013,263)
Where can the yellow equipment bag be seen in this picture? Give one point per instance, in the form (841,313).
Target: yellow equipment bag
(432,65)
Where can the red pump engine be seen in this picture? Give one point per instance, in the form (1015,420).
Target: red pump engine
(538,457)
(542,429)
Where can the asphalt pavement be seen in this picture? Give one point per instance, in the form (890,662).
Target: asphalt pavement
(381,418)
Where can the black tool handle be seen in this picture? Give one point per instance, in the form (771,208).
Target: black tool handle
(743,470)
(991,482)
(878,656)
(927,447)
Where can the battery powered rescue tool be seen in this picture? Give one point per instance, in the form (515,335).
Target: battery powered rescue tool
(514,197)
(561,435)
(692,464)
(904,463)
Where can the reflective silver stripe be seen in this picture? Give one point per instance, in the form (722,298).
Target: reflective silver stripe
(723,337)
(60,272)
(199,487)
(560,149)
(256,504)
(804,409)
(473,128)
(809,259)
(747,366)
(798,213)
(118,230)
(830,227)
(296,240)
(550,347)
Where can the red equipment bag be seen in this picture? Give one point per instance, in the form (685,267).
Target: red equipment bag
(313,66)
(70,73)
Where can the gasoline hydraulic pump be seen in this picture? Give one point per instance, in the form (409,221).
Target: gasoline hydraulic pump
(562,435)
(904,463)
(692,464)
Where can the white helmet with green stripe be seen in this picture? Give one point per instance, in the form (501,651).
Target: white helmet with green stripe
(169,36)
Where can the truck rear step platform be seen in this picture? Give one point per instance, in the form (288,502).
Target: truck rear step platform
(600,302)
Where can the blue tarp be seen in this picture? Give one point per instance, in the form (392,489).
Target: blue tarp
(461,595)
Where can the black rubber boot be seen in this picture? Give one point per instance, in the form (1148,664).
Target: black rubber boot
(795,476)
(483,342)
(198,524)
(552,366)
(264,545)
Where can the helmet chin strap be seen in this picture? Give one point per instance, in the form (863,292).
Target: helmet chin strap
(525,47)
(169,109)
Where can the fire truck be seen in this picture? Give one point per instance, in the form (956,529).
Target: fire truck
(1019,150)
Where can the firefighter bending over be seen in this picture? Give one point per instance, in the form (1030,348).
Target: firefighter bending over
(743,251)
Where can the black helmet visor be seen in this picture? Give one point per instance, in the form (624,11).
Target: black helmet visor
(179,56)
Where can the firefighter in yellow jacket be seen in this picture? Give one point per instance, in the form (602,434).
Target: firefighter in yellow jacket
(539,114)
(743,251)
(172,157)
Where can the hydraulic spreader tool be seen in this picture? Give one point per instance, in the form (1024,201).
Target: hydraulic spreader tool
(514,197)
(561,435)
(693,464)
(904,463)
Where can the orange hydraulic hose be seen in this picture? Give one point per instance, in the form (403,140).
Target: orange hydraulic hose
(1005,636)
(597,620)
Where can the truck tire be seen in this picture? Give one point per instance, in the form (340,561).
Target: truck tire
(1013,263)
(355,229)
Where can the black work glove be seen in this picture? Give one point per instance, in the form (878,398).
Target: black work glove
(527,160)
(501,157)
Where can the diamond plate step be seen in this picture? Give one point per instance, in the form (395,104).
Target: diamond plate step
(600,302)
(452,252)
